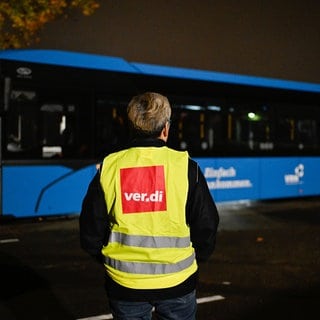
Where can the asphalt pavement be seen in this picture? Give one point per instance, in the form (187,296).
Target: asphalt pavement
(265,266)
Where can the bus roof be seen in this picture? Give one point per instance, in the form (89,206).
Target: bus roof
(69,59)
(110,63)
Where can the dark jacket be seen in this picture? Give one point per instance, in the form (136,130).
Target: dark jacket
(201,215)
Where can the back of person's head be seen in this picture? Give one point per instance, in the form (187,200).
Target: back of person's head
(148,113)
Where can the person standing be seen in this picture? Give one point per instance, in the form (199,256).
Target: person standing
(149,217)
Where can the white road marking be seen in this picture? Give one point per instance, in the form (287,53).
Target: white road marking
(9,240)
(209,299)
(199,300)
(102,317)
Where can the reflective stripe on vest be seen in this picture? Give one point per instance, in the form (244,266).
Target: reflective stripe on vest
(149,242)
(150,268)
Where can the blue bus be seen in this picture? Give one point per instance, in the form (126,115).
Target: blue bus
(62,112)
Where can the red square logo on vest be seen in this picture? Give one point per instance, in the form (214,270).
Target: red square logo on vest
(143,189)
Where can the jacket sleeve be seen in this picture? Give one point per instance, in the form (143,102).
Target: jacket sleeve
(201,214)
(93,221)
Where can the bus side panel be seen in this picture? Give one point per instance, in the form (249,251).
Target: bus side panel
(290,177)
(310,176)
(231,179)
(281,177)
(65,195)
(32,191)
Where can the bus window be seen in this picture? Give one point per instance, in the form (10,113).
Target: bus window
(111,132)
(53,122)
(251,128)
(22,125)
(215,129)
(196,128)
(306,128)
(187,129)
(298,128)
(307,132)
(59,130)
(38,127)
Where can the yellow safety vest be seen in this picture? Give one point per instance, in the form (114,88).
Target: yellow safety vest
(146,192)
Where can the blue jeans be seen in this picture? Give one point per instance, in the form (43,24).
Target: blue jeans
(181,308)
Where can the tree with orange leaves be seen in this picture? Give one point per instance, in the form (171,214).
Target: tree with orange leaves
(21,20)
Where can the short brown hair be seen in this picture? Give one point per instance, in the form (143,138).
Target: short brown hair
(148,114)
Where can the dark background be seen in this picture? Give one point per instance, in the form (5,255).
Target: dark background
(268,38)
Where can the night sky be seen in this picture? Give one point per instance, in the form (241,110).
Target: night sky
(268,38)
